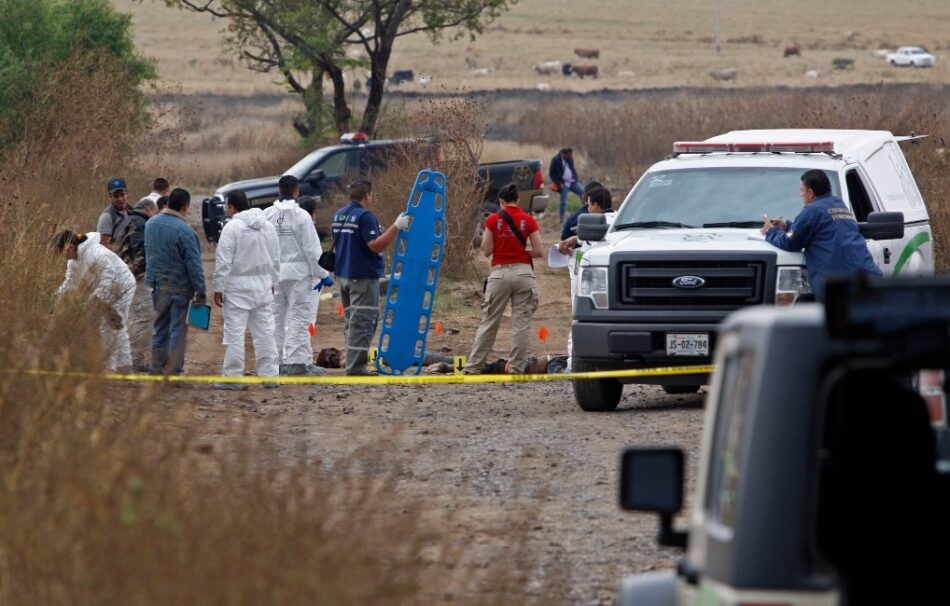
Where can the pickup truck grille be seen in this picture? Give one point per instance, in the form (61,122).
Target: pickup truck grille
(728,284)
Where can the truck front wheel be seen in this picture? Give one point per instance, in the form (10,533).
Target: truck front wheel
(596,395)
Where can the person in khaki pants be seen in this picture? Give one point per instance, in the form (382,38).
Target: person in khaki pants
(512,279)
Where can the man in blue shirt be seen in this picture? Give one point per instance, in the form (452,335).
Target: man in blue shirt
(359,242)
(174,272)
(826,231)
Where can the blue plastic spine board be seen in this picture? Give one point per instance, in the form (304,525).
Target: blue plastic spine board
(413,279)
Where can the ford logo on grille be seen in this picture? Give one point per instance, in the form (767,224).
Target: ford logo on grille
(688,282)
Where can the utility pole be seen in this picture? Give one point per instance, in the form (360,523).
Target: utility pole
(718,25)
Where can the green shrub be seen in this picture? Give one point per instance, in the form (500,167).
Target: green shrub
(37,36)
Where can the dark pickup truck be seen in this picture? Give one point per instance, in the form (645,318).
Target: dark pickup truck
(326,172)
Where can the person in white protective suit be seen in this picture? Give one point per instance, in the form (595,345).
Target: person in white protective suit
(598,202)
(246,275)
(299,271)
(309,205)
(111,284)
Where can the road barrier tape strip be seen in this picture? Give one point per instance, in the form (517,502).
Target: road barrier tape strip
(380,379)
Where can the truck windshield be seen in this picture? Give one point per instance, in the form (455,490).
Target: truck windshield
(720,197)
(303,166)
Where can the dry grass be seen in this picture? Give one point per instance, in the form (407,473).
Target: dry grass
(455,129)
(647,44)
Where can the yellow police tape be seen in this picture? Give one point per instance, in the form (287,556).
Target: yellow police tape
(382,379)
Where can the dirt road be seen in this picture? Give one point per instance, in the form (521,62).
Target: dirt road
(503,461)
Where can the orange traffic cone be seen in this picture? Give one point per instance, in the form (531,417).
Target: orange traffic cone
(543,333)
(438,328)
(312,329)
(339,310)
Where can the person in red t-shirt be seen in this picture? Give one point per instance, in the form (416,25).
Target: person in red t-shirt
(512,279)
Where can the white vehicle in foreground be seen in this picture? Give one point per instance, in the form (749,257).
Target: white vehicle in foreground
(685,251)
(911,56)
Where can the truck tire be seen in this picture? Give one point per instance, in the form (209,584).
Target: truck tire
(596,395)
(681,389)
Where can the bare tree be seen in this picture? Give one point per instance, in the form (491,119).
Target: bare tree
(306,42)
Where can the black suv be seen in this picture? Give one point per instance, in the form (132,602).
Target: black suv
(326,172)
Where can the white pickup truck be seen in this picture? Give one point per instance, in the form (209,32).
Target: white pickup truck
(684,250)
(911,56)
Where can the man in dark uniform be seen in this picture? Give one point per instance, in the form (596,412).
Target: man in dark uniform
(359,242)
(826,231)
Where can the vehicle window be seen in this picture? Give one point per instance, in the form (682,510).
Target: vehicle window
(303,166)
(715,195)
(729,439)
(896,184)
(860,200)
(341,165)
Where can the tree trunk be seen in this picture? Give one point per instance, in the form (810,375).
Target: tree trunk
(341,110)
(379,63)
(311,123)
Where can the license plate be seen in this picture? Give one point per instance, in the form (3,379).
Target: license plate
(678,344)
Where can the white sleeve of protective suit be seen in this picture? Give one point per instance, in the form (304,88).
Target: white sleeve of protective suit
(273,252)
(310,245)
(67,284)
(223,257)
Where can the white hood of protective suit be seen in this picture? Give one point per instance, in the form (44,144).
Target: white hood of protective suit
(104,271)
(247,259)
(252,217)
(299,245)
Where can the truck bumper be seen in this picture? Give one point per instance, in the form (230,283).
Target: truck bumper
(611,346)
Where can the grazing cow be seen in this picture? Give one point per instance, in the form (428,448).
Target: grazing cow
(547,68)
(725,74)
(401,75)
(587,53)
(585,70)
(792,51)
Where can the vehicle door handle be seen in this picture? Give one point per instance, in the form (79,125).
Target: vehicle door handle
(887,255)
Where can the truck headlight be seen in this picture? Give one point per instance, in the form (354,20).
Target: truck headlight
(791,285)
(594,285)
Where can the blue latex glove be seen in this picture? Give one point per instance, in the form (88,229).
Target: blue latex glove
(328,282)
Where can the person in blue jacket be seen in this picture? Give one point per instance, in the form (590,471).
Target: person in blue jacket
(564,176)
(827,232)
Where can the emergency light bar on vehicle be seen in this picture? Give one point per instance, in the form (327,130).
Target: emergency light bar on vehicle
(357,137)
(707,147)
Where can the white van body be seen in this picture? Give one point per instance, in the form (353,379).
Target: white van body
(622,320)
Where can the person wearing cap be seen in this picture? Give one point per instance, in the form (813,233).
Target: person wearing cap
(130,246)
(299,272)
(174,272)
(564,177)
(113,214)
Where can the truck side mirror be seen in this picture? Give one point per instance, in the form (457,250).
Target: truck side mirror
(883,226)
(316,176)
(591,227)
(651,479)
